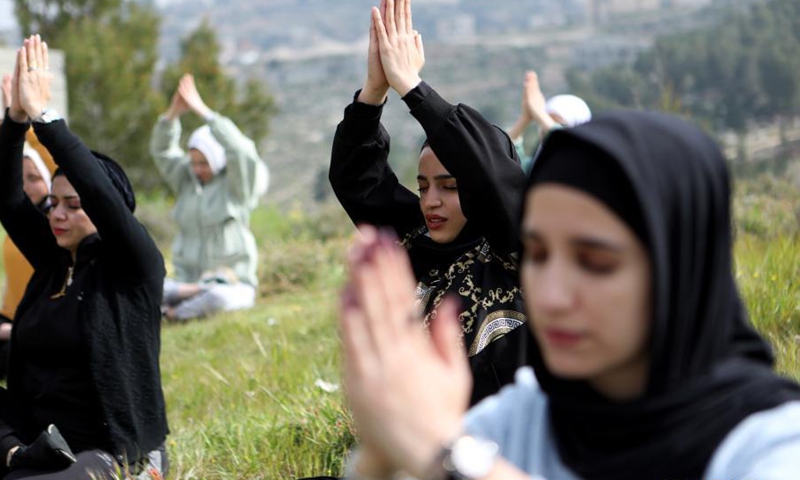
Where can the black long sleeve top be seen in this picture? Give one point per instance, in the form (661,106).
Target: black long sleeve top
(113,303)
(480,266)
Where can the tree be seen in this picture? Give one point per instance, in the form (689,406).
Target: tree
(50,18)
(109,67)
(111,50)
(248,102)
(744,69)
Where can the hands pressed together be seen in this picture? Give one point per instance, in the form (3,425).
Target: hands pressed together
(187,99)
(408,390)
(26,93)
(534,104)
(396,54)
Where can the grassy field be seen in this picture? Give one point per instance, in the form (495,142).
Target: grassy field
(254,395)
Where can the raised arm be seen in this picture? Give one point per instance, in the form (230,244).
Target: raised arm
(170,159)
(534,103)
(247,175)
(359,173)
(517,131)
(136,252)
(361,177)
(479,155)
(24,223)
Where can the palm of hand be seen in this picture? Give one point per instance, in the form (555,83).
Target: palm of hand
(407,390)
(34,91)
(401,59)
(412,405)
(188,91)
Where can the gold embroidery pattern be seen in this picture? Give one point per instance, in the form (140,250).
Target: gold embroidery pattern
(459,278)
(495,326)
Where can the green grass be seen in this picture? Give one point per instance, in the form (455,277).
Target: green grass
(767,275)
(241,392)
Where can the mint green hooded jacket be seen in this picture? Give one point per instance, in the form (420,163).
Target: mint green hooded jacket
(213,219)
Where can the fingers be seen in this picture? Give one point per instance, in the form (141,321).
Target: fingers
(15,78)
(532,81)
(400,16)
(45,57)
(373,33)
(370,285)
(399,282)
(445,332)
(384,285)
(380,27)
(419,45)
(407,13)
(390,24)
(185,85)
(373,37)
(188,88)
(357,346)
(6,91)
(39,51)
(22,60)
(31,51)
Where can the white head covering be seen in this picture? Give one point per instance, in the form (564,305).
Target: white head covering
(29,152)
(202,139)
(572,109)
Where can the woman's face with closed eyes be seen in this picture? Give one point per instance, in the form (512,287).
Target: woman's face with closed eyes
(68,221)
(438,199)
(587,283)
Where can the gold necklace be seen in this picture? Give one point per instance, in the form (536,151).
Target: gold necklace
(67,283)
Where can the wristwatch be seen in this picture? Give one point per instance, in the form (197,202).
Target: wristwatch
(48,115)
(468,457)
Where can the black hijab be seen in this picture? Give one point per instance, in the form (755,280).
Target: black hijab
(115,173)
(708,368)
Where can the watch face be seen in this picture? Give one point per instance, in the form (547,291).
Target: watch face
(48,115)
(473,457)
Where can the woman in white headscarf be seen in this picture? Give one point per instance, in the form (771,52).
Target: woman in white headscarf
(557,112)
(217,184)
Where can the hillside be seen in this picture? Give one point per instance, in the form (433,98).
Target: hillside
(313,59)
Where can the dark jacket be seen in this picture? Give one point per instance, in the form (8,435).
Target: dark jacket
(480,265)
(120,297)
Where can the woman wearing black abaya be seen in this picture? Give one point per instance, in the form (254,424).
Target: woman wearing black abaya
(645,364)
(461,231)
(84,398)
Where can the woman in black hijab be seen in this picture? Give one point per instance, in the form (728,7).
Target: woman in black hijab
(461,230)
(84,397)
(645,364)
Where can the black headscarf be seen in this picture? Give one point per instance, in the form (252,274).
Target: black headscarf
(708,368)
(119,179)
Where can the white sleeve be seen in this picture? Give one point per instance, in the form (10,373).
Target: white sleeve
(764,446)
